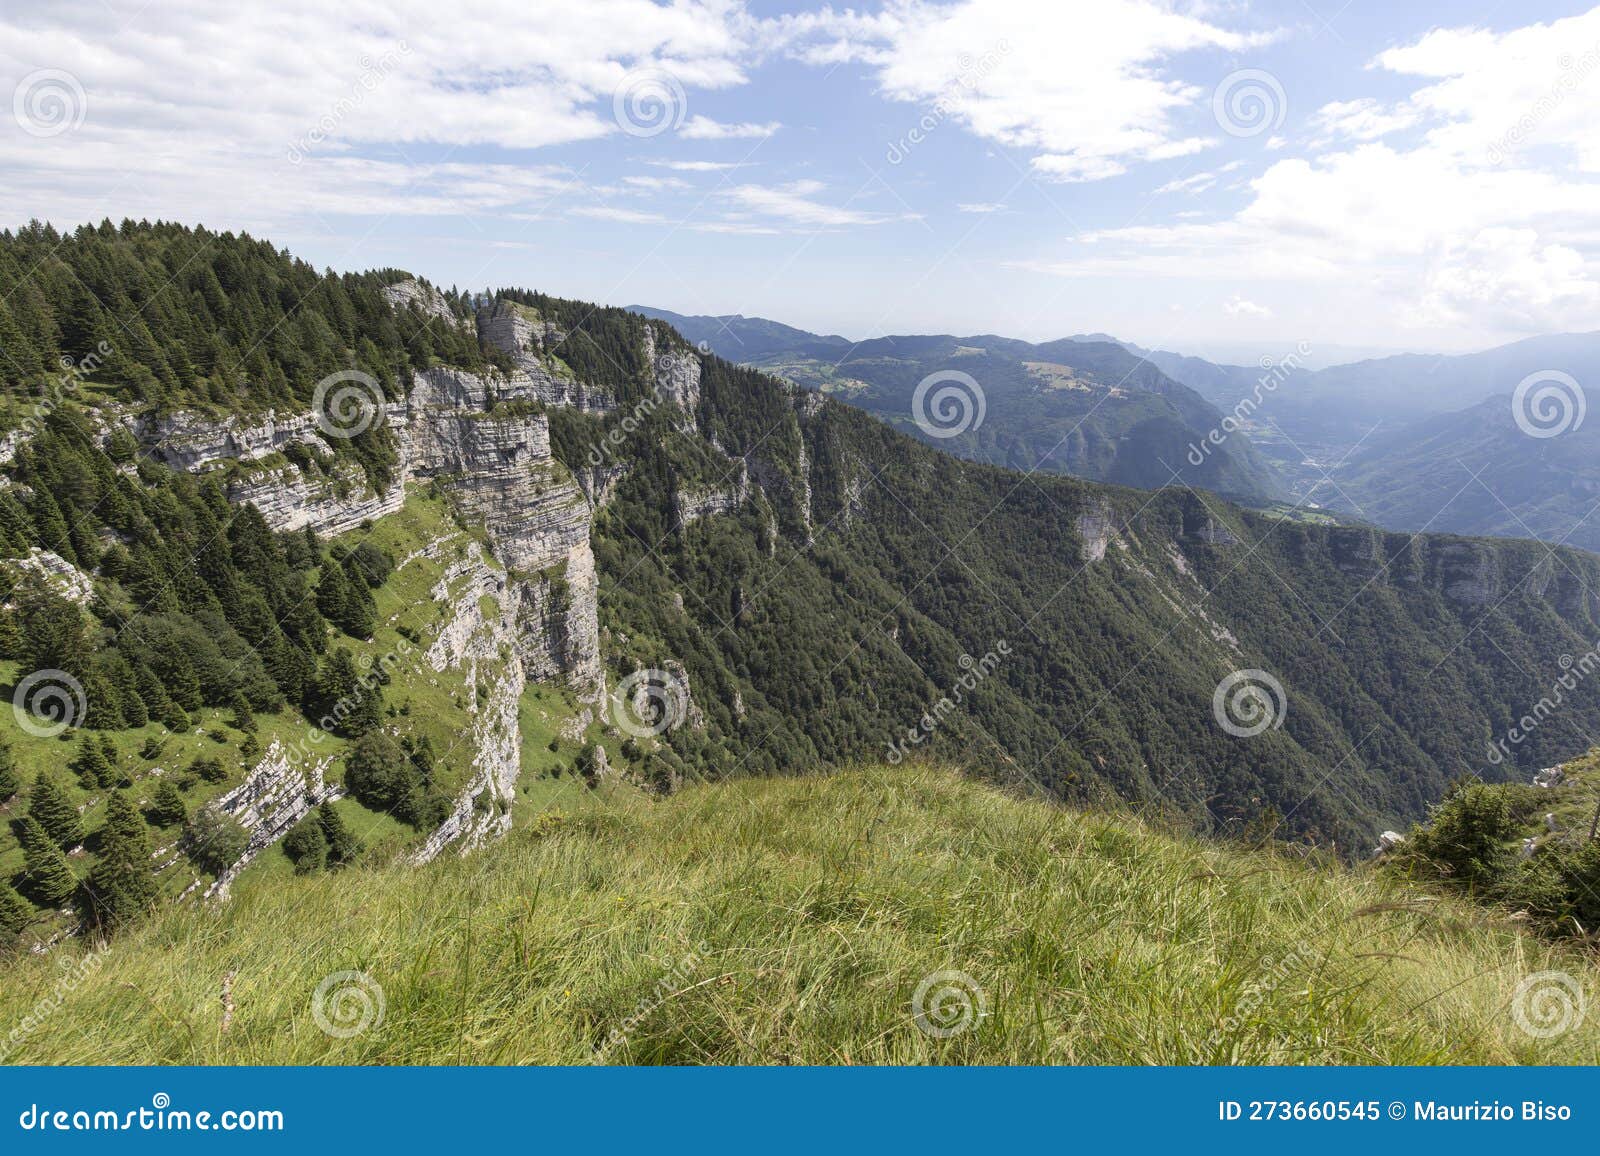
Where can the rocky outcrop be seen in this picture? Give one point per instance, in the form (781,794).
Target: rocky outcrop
(485,645)
(534,347)
(677,371)
(276,796)
(186,440)
(57,573)
(332,503)
(1098,526)
(690,506)
(412,293)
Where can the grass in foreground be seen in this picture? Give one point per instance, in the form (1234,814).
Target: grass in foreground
(792,921)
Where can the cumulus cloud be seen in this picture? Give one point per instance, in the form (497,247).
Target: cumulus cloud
(1087,88)
(1471,203)
(309,107)
(704,128)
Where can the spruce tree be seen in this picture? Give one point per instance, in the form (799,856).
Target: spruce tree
(91,766)
(343,846)
(120,885)
(167,808)
(14,911)
(10,781)
(243,719)
(49,876)
(49,806)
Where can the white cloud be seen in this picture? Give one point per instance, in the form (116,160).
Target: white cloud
(704,128)
(316,108)
(794,203)
(1085,87)
(1484,216)
(1237,306)
(611,213)
(700,166)
(978,207)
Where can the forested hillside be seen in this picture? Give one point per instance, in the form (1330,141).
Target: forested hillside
(548,505)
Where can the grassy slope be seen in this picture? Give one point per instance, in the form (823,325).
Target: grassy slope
(815,906)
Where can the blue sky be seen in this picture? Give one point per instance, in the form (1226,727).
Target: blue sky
(1393,176)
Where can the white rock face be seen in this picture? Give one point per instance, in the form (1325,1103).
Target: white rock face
(677,372)
(57,573)
(535,350)
(485,647)
(429,300)
(269,803)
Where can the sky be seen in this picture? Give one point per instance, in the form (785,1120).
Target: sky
(1219,178)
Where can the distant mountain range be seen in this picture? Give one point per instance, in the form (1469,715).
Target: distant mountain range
(1090,408)
(1407,442)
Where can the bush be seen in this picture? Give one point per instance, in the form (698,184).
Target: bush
(214,840)
(209,769)
(1466,836)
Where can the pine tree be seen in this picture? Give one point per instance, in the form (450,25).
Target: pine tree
(14,911)
(120,885)
(343,847)
(167,808)
(91,766)
(49,806)
(242,719)
(49,876)
(333,592)
(10,781)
